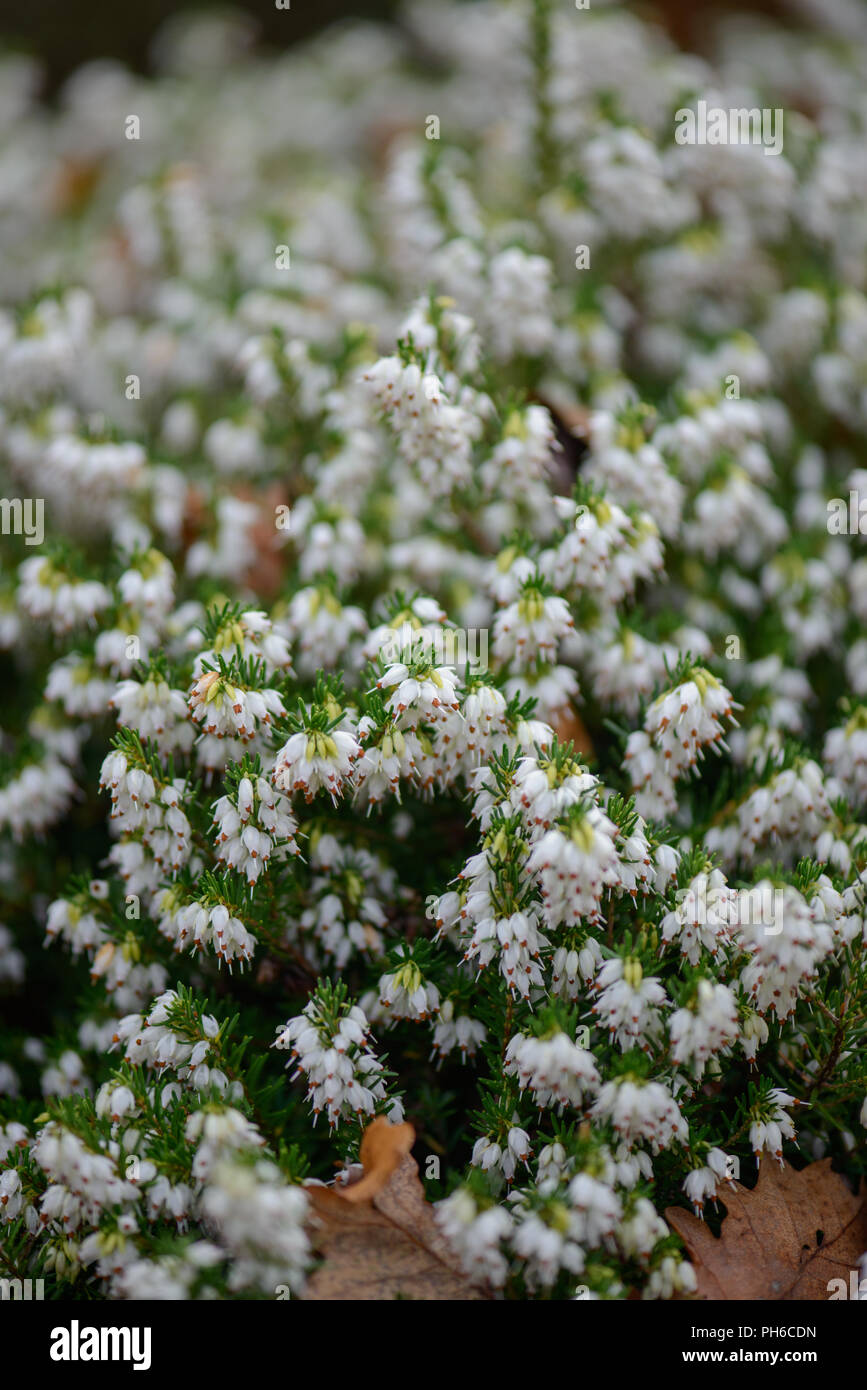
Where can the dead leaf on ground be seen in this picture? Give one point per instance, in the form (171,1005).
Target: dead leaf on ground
(268,570)
(75,180)
(769,1247)
(570,728)
(378,1236)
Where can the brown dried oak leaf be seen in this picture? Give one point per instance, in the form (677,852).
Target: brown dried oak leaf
(377,1236)
(769,1247)
(570,728)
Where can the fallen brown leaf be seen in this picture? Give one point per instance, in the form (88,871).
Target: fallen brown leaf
(768,1248)
(377,1236)
(74,182)
(266,574)
(383,1148)
(570,728)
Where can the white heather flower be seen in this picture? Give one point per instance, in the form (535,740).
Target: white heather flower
(553,1067)
(551,1168)
(629,1003)
(456,1031)
(523,456)
(574,864)
(322,629)
(671,1276)
(775,1125)
(678,726)
(82,692)
(708,1027)
(67,1077)
(632,470)
(48,595)
(83,1182)
(488,1154)
(433,433)
(623,667)
(141,805)
(483,711)
(344,1077)
(754,1034)
(554,688)
(226,710)
(641,1111)
(845,756)
(219,1134)
(518,307)
(347,889)
(311,760)
(254,825)
(251,635)
(631,1167)
(150,1040)
(388,755)
(705,916)
(114,1100)
(530,629)
(789,813)
(81,930)
(476,1235)
(571,969)
(636,874)
(604,550)
(330,542)
(514,941)
(155,711)
(423,697)
(597,1209)
(12,1199)
(641,1228)
(220,929)
(232,551)
(545,1241)
(148,585)
(9,1084)
(261,1219)
(786,940)
(544,790)
(12,961)
(404,993)
(36,798)
(564,973)
(13,1135)
(701,1184)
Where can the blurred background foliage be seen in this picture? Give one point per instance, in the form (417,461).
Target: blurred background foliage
(66,33)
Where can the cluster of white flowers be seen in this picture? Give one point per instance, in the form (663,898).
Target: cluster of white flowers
(347,889)
(313,759)
(254,824)
(642,1110)
(225,710)
(344,1075)
(261,1222)
(139,804)
(775,1125)
(404,992)
(407,548)
(201,923)
(555,1069)
(678,726)
(150,1041)
(155,711)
